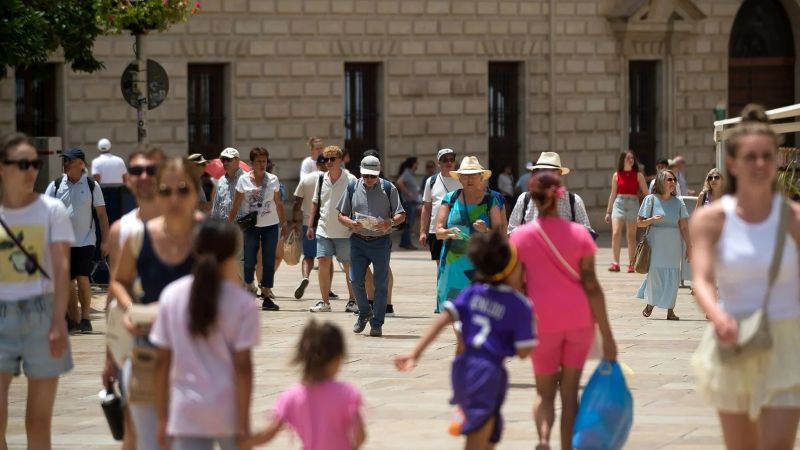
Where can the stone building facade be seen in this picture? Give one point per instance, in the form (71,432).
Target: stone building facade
(503,80)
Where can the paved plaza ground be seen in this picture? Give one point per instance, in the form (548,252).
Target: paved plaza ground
(410,410)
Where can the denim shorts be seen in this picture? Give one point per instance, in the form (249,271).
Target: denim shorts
(309,245)
(24,329)
(330,247)
(626,207)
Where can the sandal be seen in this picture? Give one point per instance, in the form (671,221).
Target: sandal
(672,316)
(648,310)
(614,267)
(631,269)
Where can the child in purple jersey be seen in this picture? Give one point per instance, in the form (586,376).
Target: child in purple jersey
(493,321)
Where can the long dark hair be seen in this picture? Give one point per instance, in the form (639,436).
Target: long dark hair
(407,164)
(319,345)
(215,241)
(490,253)
(754,121)
(621,161)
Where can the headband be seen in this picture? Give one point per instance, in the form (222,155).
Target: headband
(512,262)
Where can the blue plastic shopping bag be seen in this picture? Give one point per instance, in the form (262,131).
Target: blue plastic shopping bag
(605,415)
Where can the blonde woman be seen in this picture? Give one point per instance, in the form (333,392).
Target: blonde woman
(712,189)
(757,398)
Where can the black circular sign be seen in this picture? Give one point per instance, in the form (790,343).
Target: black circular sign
(157,84)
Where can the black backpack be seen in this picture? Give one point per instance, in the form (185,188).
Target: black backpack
(571,208)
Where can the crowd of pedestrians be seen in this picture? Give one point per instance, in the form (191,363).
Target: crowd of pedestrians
(184,282)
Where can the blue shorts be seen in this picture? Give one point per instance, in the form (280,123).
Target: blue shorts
(24,329)
(626,207)
(309,245)
(479,389)
(330,247)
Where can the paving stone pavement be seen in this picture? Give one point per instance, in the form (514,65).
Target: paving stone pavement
(410,410)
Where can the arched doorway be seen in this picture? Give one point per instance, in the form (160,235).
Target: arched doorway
(761,66)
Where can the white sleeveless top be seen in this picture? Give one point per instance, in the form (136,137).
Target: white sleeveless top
(744,254)
(127,224)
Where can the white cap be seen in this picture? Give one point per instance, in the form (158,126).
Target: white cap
(229,152)
(370,165)
(104,145)
(445,151)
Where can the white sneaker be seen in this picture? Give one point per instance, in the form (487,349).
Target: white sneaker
(321,307)
(351,306)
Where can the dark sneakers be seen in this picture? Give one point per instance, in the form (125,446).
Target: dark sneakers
(376,331)
(269,305)
(362,323)
(333,295)
(301,289)
(389,310)
(85,326)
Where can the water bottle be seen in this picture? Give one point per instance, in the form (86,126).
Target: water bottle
(112,409)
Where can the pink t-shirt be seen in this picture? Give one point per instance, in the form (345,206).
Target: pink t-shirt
(202,385)
(559,302)
(322,414)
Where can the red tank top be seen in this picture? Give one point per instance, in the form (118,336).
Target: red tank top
(627,182)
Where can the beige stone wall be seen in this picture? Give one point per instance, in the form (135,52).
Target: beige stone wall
(285,80)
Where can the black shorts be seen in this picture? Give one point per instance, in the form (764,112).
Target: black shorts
(435,246)
(80,261)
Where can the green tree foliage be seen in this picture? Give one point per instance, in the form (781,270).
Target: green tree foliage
(30,30)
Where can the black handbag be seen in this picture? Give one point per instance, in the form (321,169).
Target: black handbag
(247,221)
(111,403)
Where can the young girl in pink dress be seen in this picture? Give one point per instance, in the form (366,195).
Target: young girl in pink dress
(323,412)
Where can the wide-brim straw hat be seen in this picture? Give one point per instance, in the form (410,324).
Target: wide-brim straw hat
(549,160)
(470,166)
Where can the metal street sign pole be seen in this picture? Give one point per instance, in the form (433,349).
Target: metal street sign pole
(140,88)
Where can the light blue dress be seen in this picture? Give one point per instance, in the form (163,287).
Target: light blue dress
(660,288)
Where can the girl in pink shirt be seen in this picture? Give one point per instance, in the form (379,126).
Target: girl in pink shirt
(323,412)
(559,272)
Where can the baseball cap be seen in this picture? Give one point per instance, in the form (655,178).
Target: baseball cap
(197,158)
(229,152)
(74,153)
(445,151)
(370,165)
(104,145)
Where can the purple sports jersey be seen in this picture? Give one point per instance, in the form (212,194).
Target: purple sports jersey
(494,320)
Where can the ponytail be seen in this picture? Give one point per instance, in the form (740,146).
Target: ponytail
(204,297)
(215,242)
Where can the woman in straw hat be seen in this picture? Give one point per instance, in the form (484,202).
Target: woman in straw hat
(472,209)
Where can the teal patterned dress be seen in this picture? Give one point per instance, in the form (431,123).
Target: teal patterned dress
(455,267)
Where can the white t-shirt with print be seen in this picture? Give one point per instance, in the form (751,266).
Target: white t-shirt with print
(441,187)
(36,226)
(329,225)
(307,189)
(253,201)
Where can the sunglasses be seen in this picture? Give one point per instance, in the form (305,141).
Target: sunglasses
(369,177)
(450,159)
(330,159)
(138,170)
(714,177)
(24,164)
(669,180)
(182,190)
(224,160)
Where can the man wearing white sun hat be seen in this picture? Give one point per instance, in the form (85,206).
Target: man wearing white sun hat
(570,206)
(108,168)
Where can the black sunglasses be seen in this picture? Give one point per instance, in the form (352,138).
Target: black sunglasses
(369,177)
(448,159)
(182,190)
(224,159)
(330,159)
(138,170)
(24,164)
(670,179)
(714,177)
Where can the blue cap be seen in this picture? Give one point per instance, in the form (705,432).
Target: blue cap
(74,153)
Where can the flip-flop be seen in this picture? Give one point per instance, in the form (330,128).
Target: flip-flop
(646,312)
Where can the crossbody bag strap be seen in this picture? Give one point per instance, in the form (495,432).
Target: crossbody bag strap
(652,206)
(555,251)
(777,255)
